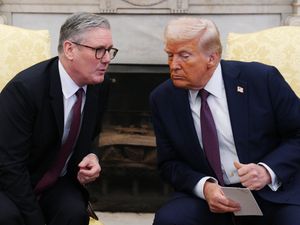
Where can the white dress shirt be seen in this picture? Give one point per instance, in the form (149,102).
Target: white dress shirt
(69,88)
(217,102)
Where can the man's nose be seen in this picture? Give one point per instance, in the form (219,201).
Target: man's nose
(174,63)
(106,57)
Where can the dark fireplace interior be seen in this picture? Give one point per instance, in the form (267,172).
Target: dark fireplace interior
(129,180)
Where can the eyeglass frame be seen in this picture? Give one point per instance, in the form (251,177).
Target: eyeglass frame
(97,49)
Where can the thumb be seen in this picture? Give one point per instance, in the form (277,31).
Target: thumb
(238,165)
(82,164)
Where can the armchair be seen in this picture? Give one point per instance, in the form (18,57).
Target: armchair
(21,48)
(277,46)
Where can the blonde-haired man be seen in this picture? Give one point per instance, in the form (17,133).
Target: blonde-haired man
(224,123)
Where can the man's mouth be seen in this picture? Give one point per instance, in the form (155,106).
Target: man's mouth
(176,77)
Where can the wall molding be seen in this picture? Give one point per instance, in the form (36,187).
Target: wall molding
(294,18)
(286,7)
(146,19)
(3,19)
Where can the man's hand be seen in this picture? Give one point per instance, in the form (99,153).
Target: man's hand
(253,176)
(217,201)
(89,169)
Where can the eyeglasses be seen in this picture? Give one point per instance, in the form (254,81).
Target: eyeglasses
(100,52)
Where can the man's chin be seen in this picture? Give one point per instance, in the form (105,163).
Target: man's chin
(99,79)
(179,84)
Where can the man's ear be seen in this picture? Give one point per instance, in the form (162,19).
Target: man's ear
(68,48)
(213,59)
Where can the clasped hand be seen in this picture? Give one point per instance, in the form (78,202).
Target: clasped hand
(253,176)
(89,169)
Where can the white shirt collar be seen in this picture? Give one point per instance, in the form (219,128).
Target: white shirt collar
(69,87)
(214,86)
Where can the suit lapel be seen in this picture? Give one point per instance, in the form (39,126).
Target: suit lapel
(89,111)
(237,99)
(186,125)
(56,96)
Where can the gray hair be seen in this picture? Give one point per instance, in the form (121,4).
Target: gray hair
(188,28)
(77,24)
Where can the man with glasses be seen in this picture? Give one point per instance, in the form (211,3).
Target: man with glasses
(50,114)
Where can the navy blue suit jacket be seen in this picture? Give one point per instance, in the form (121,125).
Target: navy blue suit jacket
(265,120)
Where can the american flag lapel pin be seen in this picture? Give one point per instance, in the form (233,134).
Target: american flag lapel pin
(240,89)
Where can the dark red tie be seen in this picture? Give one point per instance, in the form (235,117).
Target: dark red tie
(209,137)
(53,173)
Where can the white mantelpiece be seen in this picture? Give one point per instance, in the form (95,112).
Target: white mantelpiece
(294,19)
(150,6)
(138,25)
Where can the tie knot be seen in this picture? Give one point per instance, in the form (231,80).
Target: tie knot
(79,93)
(203,94)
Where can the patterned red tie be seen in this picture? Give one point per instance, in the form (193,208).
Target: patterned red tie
(209,137)
(53,173)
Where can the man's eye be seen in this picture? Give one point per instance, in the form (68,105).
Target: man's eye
(185,56)
(100,50)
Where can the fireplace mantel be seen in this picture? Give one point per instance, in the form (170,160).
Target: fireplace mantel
(151,6)
(136,22)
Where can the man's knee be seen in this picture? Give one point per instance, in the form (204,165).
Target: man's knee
(79,217)
(287,214)
(163,218)
(11,218)
(75,212)
(9,213)
(68,215)
(168,216)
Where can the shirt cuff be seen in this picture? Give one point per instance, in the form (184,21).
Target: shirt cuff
(198,189)
(275,183)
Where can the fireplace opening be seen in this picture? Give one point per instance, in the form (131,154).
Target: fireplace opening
(129,180)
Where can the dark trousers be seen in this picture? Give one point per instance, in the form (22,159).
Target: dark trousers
(183,209)
(63,204)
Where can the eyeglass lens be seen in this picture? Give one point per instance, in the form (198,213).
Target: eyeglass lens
(100,52)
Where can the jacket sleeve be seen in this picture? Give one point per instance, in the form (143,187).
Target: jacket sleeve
(172,157)
(16,119)
(285,158)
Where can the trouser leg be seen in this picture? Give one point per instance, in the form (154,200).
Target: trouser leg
(189,210)
(64,204)
(9,213)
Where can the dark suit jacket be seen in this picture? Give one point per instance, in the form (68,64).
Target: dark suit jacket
(265,120)
(31,128)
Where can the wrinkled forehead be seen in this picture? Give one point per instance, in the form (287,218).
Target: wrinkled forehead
(172,45)
(97,37)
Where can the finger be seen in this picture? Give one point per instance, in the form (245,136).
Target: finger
(93,172)
(233,204)
(245,177)
(88,172)
(221,208)
(242,169)
(229,203)
(251,175)
(83,163)
(237,165)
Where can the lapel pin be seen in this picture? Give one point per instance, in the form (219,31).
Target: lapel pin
(240,89)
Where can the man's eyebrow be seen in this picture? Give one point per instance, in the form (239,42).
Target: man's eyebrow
(102,46)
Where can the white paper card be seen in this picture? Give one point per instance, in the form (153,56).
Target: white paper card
(249,206)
